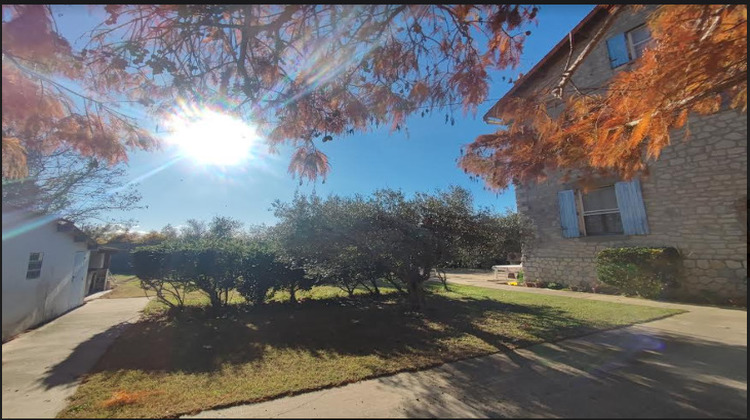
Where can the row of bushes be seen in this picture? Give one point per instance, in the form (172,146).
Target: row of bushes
(351,242)
(215,267)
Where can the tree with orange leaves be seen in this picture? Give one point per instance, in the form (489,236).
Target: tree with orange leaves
(697,63)
(309,73)
(306,73)
(42,114)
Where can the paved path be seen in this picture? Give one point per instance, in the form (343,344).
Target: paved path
(690,365)
(41,367)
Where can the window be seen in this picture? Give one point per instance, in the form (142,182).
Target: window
(638,40)
(600,213)
(628,46)
(34,270)
(608,210)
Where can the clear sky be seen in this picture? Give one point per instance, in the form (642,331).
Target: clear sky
(422,160)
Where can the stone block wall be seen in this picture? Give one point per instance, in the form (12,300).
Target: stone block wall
(695,194)
(696,201)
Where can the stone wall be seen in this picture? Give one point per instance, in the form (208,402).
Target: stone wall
(695,197)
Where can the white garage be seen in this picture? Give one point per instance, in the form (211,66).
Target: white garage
(45,269)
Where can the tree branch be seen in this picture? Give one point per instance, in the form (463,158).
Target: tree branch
(569,70)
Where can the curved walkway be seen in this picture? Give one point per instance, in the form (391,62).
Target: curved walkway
(688,365)
(42,367)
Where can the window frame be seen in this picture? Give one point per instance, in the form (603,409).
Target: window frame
(631,45)
(582,213)
(37,270)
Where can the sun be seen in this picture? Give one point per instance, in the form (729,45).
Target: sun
(209,137)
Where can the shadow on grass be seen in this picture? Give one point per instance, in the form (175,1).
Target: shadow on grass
(621,373)
(194,341)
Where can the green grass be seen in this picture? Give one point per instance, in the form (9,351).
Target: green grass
(124,286)
(173,366)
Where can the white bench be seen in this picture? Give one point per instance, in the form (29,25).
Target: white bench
(507,270)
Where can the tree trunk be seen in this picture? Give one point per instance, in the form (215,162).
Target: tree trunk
(394,283)
(443,278)
(292,295)
(375,289)
(415,294)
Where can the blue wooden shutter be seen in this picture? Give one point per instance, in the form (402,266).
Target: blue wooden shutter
(632,210)
(618,50)
(568,214)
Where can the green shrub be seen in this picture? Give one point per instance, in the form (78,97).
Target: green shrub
(260,272)
(556,286)
(642,271)
(166,271)
(520,277)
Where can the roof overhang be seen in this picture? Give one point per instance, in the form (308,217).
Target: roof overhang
(597,12)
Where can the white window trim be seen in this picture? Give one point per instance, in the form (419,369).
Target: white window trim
(632,45)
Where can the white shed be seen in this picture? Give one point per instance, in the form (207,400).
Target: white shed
(45,269)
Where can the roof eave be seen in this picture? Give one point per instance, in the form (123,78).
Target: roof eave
(523,79)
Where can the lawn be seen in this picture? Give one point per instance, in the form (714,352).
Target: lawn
(124,286)
(165,367)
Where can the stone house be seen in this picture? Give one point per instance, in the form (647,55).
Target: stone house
(694,198)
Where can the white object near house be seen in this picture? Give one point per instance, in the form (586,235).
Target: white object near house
(507,270)
(45,269)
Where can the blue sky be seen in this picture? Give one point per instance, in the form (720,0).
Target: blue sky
(422,160)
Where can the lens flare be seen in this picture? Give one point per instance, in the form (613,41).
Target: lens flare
(209,137)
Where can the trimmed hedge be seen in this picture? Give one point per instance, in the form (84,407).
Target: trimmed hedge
(643,271)
(175,268)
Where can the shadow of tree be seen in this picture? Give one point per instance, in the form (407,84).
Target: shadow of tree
(80,361)
(618,373)
(195,341)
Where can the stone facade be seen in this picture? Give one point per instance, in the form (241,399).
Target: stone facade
(695,197)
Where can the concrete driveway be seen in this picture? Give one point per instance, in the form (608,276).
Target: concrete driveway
(42,367)
(690,365)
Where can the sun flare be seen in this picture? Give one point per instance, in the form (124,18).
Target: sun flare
(209,137)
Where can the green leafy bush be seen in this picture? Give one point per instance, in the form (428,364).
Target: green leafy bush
(556,286)
(647,272)
(260,271)
(167,271)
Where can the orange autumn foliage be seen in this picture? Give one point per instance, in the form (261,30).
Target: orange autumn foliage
(696,62)
(305,73)
(39,111)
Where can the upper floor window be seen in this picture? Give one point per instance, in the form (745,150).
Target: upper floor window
(628,46)
(34,270)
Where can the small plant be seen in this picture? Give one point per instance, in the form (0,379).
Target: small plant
(555,286)
(642,271)
(520,277)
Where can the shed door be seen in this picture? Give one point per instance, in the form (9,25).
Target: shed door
(79,267)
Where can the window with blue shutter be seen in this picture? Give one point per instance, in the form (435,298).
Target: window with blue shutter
(632,209)
(628,45)
(568,214)
(618,50)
